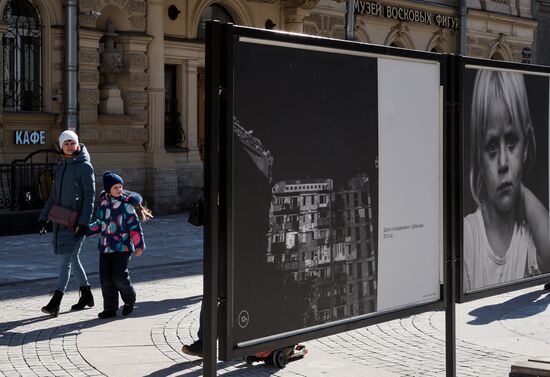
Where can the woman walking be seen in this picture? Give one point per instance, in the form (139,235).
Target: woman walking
(73,191)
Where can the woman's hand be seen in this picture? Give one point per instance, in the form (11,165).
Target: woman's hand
(139,250)
(80,230)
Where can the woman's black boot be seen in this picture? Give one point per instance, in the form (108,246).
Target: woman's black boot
(53,306)
(86,298)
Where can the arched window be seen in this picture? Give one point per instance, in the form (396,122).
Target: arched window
(212,12)
(22,46)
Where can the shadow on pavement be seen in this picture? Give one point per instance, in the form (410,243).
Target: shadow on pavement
(22,322)
(522,306)
(182,369)
(140,274)
(142,309)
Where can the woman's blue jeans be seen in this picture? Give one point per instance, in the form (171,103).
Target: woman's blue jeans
(68,261)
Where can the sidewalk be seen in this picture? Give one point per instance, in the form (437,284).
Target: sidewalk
(492,333)
(169,239)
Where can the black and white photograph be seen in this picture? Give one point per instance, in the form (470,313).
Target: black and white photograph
(305,188)
(505,191)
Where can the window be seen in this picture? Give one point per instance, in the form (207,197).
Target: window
(213,12)
(22,45)
(173,133)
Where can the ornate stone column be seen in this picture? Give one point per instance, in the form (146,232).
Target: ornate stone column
(162,184)
(190,110)
(295,11)
(155,28)
(88,78)
(134,81)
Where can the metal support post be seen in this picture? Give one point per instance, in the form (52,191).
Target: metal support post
(451,138)
(211,180)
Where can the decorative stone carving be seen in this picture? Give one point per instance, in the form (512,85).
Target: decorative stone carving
(117,134)
(134,98)
(501,49)
(138,78)
(89,5)
(137,59)
(89,13)
(88,96)
(304,4)
(137,7)
(88,77)
(137,23)
(138,135)
(441,41)
(111,64)
(88,56)
(87,116)
(139,116)
(399,35)
(89,134)
(326,25)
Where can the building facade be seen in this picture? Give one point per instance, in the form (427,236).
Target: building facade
(141,72)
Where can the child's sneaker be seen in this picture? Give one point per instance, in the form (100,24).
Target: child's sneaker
(107,314)
(193,349)
(127,309)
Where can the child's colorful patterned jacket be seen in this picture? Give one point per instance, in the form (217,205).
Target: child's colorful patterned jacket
(118,224)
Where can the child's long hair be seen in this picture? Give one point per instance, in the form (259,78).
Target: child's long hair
(493,88)
(143,212)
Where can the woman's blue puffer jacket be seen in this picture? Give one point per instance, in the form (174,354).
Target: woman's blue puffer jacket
(74,188)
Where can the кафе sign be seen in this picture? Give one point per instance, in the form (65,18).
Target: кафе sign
(23,137)
(405,14)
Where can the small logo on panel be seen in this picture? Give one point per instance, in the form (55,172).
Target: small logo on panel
(243,318)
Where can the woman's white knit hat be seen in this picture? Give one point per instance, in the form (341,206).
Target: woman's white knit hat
(67,135)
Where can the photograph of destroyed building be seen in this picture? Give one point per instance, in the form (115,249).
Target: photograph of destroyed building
(324,238)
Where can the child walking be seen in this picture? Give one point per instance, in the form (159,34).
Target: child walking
(120,236)
(507,237)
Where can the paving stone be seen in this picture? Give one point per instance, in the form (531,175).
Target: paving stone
(150,342)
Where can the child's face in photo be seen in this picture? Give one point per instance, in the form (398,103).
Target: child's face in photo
(116,190)
(503,155)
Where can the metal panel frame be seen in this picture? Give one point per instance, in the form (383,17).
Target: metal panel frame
(218,230)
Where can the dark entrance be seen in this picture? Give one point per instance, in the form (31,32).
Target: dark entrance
(173,133)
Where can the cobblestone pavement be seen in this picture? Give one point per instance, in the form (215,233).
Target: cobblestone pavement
(492,333)
(148,343)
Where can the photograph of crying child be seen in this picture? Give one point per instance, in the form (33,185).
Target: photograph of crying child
(506,228)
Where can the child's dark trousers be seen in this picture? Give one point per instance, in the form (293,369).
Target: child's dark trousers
(114,278)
